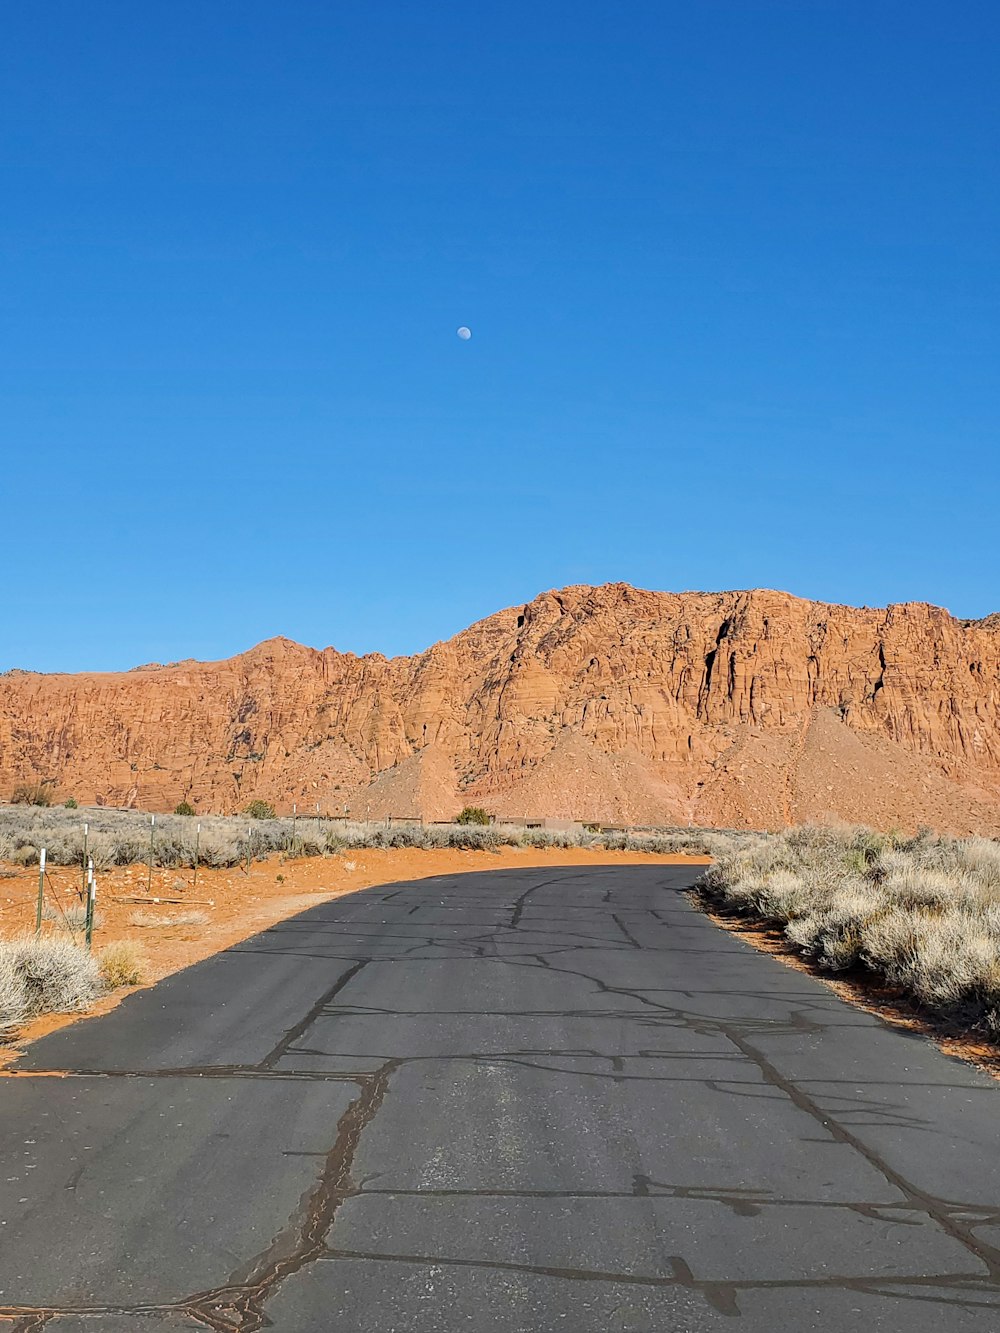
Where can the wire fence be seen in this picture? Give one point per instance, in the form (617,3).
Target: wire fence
(68,907)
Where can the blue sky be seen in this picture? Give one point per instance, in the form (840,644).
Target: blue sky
(731,270)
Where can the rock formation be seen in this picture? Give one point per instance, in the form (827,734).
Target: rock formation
(609,703)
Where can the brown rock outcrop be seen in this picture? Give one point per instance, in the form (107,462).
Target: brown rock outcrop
(609,703)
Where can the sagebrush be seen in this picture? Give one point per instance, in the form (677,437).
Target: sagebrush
(42,975)
(122,837)
(921,913)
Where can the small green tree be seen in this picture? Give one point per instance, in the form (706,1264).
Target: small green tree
(259,810)
(473,814)
(70,804)
(185,808)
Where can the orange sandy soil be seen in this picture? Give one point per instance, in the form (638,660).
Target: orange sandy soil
(239,905)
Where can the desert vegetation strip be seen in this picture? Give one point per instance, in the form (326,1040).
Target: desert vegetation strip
(919,914)
(123,837)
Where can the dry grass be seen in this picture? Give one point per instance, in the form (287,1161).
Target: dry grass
(122,964)
(145,920)
(192,918)
(75,916)
(921,913)
(43,975)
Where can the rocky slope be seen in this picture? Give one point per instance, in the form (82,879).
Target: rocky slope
(609,703)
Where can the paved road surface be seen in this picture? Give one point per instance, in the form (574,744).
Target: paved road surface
(518,1102)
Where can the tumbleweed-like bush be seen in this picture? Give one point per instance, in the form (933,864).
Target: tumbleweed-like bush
(921,913)
(42,975)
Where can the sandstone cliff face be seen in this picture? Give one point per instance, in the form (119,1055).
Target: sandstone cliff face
(603,703)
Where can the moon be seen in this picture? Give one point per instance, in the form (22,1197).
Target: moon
(464,333)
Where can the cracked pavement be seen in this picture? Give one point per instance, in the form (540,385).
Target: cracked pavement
(514,1102)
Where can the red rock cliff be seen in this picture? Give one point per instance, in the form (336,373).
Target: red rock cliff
(604,703)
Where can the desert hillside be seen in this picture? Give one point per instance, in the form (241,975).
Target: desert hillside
(608,703)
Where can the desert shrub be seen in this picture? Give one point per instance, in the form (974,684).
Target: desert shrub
(311,841)
(259,810)
(383,835)
(184,808)
(474,837)
(32,793)
(921,913)
(13,1001)
(696,842)
(120,847)
(75,917)
(109,849)
(26,855)
(220,848)
(537,837)
(473,814)
(42,975)
(171,848)
(70,803)
(121,837)
(122,964)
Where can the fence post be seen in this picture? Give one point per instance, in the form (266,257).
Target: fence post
(295,814)
(83,864)
(41,891)
(152,831)
(91,895)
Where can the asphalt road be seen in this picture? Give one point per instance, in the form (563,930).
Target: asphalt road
(516,1102)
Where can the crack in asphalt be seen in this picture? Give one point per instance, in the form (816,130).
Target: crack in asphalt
(238,1304)
(522,900)
(720,1294)
(237,1307)
(633,942)
(306,1022)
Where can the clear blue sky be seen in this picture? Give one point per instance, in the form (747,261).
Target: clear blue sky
(731,270)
